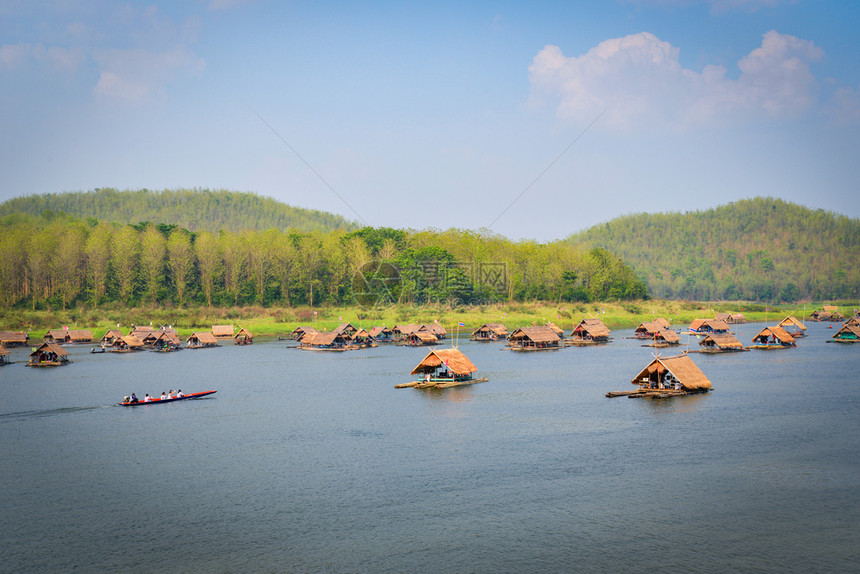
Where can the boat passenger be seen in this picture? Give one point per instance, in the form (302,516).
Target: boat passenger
(170,394)
(133,399)
(163,396)
(179,393)
(147,398)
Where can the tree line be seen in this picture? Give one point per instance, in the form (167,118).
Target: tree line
(759,249)
(59,262)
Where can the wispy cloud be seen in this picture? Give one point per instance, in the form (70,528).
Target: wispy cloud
(135,76)
(639,80)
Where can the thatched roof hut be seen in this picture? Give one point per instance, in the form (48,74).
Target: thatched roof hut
(666,371)
(332,341)
(667,337)
(420,338)
(127,343)
(166,340)
(828,313)
(490,332)
(299,332)
(201,339)
(591,330)
(534,338)
(663,322)
(558,330)
(346,329)
(57,336)
(774,336)
(111,336)
(849,333)
(794,327)
(13,338)
(648,329)
(451,359)
(715,342)
(48,355)
(222,331)
(709,326)
(69,336)
(382,334)
(244,337)
(436,329)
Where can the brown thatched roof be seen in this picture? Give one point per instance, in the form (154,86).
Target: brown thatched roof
(81,335)
(406,329)
(243,332)
(848,330)
(776,332)
(323,339)
(558,330)
(453,359)
(435,328)
(168,337)
(345,329)
(668,335)
(56,334)
(53,347)
(13,337)
(593,328)
(721,340)
(423,336)
(130,340)
(723,317)
(223,331)
(379,330)
(111,335)
(542,334)
(662,322)
(681,367)
(648,328)
(497,328)
(203,338)
(789,321)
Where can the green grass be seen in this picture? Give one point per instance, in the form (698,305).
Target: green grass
(272,322)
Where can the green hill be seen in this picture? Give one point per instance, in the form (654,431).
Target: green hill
(193,209)
(760,249)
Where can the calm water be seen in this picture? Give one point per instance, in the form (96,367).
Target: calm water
(314,462)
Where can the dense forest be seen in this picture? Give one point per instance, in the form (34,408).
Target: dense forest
(53,261)
(759,249)
(193,209)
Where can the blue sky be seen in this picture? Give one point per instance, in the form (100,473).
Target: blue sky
(534,120)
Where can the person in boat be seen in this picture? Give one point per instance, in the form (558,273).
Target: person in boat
(179,394)
(170,394)
(163,396)
(133,399)
(147,398)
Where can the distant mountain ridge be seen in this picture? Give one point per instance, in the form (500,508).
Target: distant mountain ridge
(760,249)
(193,209)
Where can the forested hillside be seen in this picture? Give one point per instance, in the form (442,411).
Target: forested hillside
(193,209)
(59,261)
(758,249)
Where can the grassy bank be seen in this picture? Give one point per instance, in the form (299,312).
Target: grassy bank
(273,322)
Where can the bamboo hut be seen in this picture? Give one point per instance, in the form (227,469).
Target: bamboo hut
(773,338)
(62,336)
(362,339)
(854,320)
(126,344)
(381,334)
(202,340)
(14,338)
(49,355)
(827,313)
(589,332)
(705,326)
(664,338)
(558,330)
(330,341)
(647,330)
(346,329)
(720,343)
(109,337)
(244,337)
(166,341)
(794,327)
(667,377)
(847,334)
(443,368)
(222,331)
(435,329)
(534,339)
(299,332)
(400,332)
(421,338)
(58,336)
(490,332)
(663,322)
(4,356)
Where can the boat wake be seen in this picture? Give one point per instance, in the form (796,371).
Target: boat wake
(8,417)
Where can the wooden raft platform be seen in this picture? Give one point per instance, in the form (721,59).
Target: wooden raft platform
(648,393)
(440,384)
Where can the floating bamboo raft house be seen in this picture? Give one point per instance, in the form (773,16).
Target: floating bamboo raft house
(301,331)
(664,338)
(202,340)
(849,333)
(222,331)
(381,334)
(667,377)
(534,339)
(720,343)
(773,338)
(331,341)
(421,338)
(244,337)
(589,332)
(705,326)
(490,332)
(828,313)
(794,327)
(110,337)
(166,341)
(63,336)
(443,368)
(14,338)
(49,355)
(125,344)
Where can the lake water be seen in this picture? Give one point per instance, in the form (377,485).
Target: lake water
(314,462)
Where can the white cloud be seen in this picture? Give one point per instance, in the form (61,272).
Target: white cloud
(15,56)
(638,80)
(135,76)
